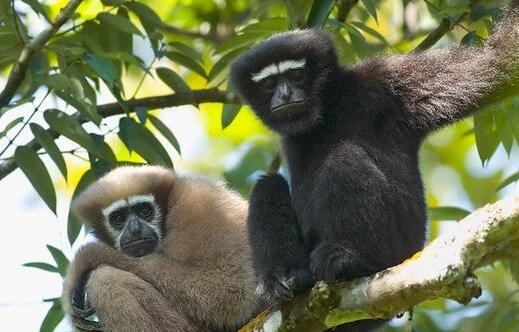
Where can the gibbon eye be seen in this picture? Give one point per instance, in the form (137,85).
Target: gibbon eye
(144,211)
(117,219)
(295,75)
(268,83)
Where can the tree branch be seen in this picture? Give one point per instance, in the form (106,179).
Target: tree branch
(345,7)
(445,26)
(193,97)
(17,74)
(444,269)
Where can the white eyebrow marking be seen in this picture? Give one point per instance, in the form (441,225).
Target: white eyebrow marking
(278,68)
(114,206)
(269,70)
(291,64)
(141,199)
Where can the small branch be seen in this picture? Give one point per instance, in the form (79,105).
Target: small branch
(444,269)
(345,7)
(17,74)
(445,26)
(190,34)
(193,97)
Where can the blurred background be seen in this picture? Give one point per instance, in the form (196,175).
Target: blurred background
(84,100)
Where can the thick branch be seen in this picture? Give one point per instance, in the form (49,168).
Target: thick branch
(442,270)
(17,74)
(193,97)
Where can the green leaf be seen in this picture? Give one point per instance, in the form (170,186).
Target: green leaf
(103,67)
(187,62)
(47,142)
(119,22)
(10,126)
(370,31)
(104,151)
(144,13)
(173,80)
(112,2)
(87,110)
(32,166)
(42,266)
(238,41)
(73,223)
(61,260)
(54,316)
(487,139)
(471,39)
(187,50)
(371,8)
(229,112)
(138,138)
(269,26)
(164,130)
(223,63)
(58,82)
(509,180)
(38,8)
(447,213)
(319,12)
(70,128)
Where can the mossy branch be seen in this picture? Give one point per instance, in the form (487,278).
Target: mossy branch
(444,269)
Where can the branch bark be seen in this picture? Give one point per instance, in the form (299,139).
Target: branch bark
(17,74)
(444,269)
(193,97)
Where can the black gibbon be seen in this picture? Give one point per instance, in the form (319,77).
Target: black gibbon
(351,138)
(173,255)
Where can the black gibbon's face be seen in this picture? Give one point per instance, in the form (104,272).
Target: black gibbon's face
(134,224)
(284,82)
(286,79)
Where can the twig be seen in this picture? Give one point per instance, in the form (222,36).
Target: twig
(17,74)
(445,26)
(193,97)
(345,7)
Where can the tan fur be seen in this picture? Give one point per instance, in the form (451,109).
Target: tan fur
(203,275)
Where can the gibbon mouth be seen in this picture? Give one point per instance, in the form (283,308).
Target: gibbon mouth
(283,107)
(140,247)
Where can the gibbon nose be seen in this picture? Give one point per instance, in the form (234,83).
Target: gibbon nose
(135,227)
(285,92)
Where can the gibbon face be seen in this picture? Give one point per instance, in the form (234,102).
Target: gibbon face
(134,224)
(128,215)
(284,79)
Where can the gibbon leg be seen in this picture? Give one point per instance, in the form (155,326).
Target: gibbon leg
(124,302)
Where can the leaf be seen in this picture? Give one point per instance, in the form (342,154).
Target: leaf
(471,39)
(87,110)
(187,62)
(112,2)
(144,12)
(319,12)
(269,26)
(73,223)
(10,126)
(54,316)
(47,142)
(61,260)
(164,130)
(42,266)
(32,166)
(138,138)
(70,128)
(103,67)
(371,8)
(447,213)
(223,63)
(119,22)
(509,180)
(38,8)
(370,31)
(238,41)
(186,50)
(487,140)
(173,80)
(229,112)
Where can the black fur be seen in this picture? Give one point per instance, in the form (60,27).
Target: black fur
(356,188)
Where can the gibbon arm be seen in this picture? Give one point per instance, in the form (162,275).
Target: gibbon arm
(277,245)
(439,87)
(198,290)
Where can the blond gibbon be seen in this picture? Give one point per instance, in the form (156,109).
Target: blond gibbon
(172,255)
